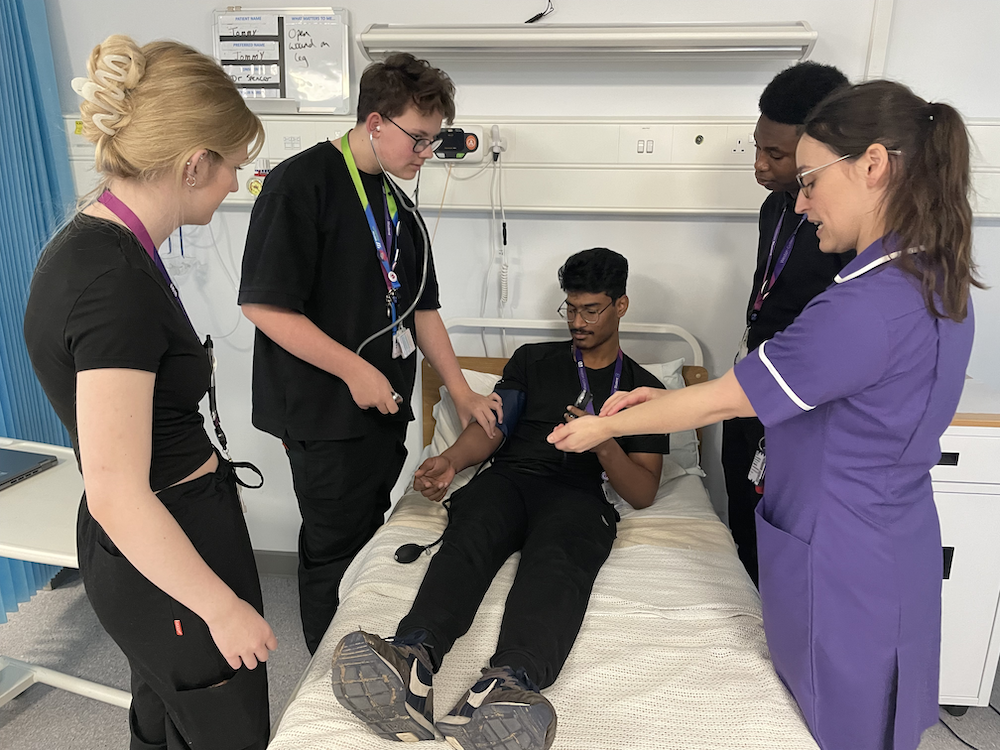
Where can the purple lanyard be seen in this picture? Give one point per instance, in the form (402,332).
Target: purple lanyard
(779,265)
(115,205)
(585,382)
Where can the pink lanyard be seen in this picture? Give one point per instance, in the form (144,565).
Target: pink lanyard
(116,206)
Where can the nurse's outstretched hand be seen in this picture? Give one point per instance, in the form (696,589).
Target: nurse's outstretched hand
(241,634)
(625,399)
(580,435)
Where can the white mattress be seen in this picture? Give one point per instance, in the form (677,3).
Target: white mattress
(671,653)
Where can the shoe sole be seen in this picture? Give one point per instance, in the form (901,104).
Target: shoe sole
(372,690)
(501,726)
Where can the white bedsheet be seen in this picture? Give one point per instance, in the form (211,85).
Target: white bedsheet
(671,653)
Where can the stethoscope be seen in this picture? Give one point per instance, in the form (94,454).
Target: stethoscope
(401,200)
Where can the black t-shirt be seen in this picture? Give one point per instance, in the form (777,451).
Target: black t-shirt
(547,373)
(97,301)
(310,249)
(808,271)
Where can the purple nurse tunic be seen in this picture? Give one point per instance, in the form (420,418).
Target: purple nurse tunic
(854,396)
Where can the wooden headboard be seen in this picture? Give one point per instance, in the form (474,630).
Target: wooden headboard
(432,383)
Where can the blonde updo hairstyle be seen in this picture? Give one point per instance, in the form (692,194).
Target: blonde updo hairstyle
(147,109)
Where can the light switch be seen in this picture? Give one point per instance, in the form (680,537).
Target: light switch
(640,147)
(649,147)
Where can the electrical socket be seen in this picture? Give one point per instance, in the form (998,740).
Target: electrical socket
(740,145)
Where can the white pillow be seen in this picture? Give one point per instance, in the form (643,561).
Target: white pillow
(683,445)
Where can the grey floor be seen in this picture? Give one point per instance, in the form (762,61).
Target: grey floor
(58,629)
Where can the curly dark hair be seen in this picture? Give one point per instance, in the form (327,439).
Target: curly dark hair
(792,93)
(594,271)
(390,86)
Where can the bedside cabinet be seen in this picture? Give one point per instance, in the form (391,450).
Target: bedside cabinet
(967,494)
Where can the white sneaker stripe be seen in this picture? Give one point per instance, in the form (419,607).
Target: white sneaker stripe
(417,687)
(476,699)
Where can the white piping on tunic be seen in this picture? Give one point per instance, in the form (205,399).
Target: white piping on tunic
(781,381)
(865,269)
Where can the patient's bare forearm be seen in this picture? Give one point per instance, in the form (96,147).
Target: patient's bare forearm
(634,477)
(472,447)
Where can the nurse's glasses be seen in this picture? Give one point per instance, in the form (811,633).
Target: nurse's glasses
(807,188)
(419,144)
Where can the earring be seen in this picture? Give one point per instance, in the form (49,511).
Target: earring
(189,164)
(190,181)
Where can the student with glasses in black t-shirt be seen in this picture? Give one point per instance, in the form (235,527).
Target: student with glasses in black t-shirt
(334,255)
(549,505)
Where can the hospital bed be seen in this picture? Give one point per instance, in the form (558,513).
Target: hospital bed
(671,654)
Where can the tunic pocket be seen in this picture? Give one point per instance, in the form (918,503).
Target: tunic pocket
(785,567)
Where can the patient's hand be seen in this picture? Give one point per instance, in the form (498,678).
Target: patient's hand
(434,477)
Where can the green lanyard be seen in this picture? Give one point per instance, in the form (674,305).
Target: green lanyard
(382,248)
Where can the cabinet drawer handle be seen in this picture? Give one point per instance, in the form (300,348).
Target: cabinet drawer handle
(949,555)
(948,459)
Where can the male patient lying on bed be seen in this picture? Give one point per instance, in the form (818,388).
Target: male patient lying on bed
(548,504)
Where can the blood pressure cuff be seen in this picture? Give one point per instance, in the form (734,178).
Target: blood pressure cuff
(513,405)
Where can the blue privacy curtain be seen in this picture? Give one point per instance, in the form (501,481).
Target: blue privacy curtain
(36,189)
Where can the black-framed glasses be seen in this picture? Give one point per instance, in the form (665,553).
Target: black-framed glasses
(590,317)
(807,189)
(419,144)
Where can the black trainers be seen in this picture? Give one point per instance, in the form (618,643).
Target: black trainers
(386,684)
(503,711)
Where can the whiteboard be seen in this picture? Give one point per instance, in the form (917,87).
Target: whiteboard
(287,59)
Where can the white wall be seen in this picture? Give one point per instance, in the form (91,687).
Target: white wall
(691,272)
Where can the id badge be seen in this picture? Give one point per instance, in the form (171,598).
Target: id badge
(239,496)
(743,352)
(758,466)
(402,343)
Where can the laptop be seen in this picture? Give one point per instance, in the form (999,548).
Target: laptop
(16,466)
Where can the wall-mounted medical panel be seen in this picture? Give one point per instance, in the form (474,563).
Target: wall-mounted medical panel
(600,166)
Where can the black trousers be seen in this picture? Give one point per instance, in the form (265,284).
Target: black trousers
(343,491)
(184,693)
(564,534)
(740,438)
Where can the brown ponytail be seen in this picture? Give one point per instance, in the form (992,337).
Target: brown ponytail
(927,200)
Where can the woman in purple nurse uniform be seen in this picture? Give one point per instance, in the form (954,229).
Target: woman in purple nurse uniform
(854,395)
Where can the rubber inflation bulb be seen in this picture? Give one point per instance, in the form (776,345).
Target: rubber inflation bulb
(408,553)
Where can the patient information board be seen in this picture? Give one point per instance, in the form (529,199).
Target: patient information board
(296,56)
